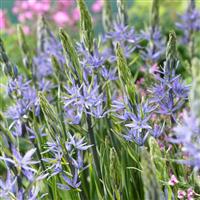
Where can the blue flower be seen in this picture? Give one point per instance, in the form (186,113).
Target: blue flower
(42,62)
(157,130)
(19,110)
(189,23)
(7,187)
(76,143)
(169,93)
(17,87)
(122,33)
(188,135)
(85,98)
(136,120)
(71,183)
(22,163)
(180,89)
(155,47)
(138,137)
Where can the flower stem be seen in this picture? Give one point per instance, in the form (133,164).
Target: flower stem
(94,147)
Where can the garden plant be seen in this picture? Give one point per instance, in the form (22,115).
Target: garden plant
(110,116)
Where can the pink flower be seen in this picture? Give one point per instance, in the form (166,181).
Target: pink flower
(161,145)
(28,15)
(76,14)
(38,7)
(26,30)
(15,10)
(64,4)
(32,4)
(3,19)
(97,6)
(181,194)
(154,68)
(46,6)
(173,180)
(25,5)
(21,17)
(142,69)
(61,18)
(190,193)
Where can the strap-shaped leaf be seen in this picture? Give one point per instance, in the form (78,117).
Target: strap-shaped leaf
(53,123)
(171,51)
(72,55)
(122,12)
(151,186)
(5,62)
(125,76)
(195,90)
(155,14)
(107,15)
(43,33)
(86,25)
(25,50)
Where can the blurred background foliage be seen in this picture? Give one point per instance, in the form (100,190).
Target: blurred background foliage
(138,12)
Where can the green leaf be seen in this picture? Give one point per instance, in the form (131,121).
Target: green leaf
(195,90)
(25,50)
(72,55)
(4,60)
(122,12)
(171,51)
(107,16)
(53,122)
(42,33)
(156,157)
(151,186)
(155,14)
(86,26)
(125,76)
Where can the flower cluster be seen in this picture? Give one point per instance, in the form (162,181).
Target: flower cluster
(190,23)
(85,98)
(126,36)
(189,141)
(72,153)
(26,100)
(155,48)
(63,13)
(138,122)
(169,93)
(4,20)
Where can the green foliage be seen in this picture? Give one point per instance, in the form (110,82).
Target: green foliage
(127,83)
(122,12)
(155,14)
(151,185)
(71,54)
(25,50)
(107,15)
(86,25)
(54,124)
(171,51)
(195,90)
(5,62)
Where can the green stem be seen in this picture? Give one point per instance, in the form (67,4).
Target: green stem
(94,147)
